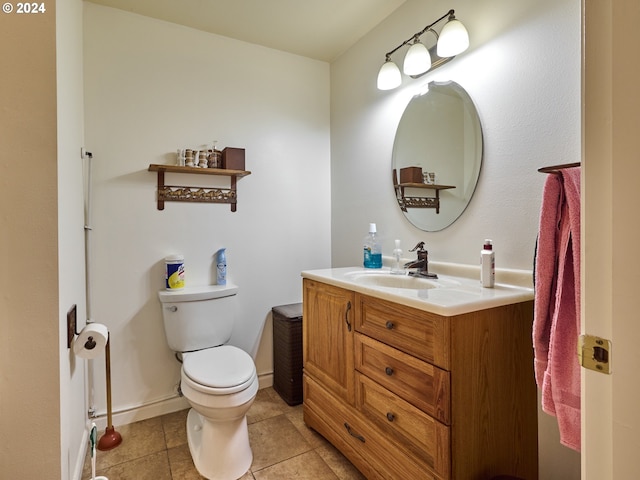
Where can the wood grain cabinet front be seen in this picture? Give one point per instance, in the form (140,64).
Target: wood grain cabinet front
(328,319)
(419,383)
(376,454)
(404,393)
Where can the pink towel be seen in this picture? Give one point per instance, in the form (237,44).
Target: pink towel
(557,303)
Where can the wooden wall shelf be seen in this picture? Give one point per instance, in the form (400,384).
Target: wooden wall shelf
(174,193)
(417,202)
(420,202)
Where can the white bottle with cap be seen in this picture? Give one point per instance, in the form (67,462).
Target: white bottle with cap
(372,249)
(487,265)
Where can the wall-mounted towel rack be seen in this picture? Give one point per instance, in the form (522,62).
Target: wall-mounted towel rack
(556,168)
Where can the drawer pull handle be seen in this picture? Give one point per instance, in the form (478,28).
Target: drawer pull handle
(355,435)
(346,316)
(389,325)
(390,416)
(388,371)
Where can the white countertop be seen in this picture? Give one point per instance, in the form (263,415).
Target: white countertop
(457,289)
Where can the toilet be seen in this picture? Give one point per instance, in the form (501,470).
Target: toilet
(219,380)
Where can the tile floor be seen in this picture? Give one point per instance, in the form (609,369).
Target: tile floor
(284,448)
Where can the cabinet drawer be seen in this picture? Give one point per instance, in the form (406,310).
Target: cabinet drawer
(421,334)
(421,384)
(350,429)
(426,437)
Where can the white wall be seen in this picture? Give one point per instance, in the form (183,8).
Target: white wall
(152,87)
(71,279)
(523,73)
(528,100)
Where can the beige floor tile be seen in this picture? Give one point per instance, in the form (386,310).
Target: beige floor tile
(182,467)
(295,416)
(308,466)
(338,463)
(150,467)
(274,440)
(267,404)
(139,439)
(174,426)
(284,448)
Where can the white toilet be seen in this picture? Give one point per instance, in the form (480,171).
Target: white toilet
(219,381)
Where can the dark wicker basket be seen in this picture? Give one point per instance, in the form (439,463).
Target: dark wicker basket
(287,352)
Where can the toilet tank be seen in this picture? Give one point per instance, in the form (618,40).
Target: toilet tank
(198,317)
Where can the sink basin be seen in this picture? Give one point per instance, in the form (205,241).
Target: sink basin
(394,281)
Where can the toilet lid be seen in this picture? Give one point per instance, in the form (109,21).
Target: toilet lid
(220,367)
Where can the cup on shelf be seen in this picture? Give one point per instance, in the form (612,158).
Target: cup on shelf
(429,178)
(202,159)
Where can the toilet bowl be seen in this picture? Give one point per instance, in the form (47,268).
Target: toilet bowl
(220,384)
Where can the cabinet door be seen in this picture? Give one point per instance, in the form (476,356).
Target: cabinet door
(328,326)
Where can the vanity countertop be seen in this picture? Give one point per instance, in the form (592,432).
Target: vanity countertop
(456,291)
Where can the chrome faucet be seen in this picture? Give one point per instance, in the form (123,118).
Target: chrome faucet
(421,264)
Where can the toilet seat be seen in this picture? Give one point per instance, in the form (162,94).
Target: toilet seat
(220,370)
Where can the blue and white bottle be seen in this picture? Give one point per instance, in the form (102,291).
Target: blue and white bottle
(221,267)
(372,249)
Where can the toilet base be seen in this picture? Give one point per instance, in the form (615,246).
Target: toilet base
(220,450)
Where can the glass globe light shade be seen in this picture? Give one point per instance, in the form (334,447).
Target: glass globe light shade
(417,60)
(389,76)
(454,39)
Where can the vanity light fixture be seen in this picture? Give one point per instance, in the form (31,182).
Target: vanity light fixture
(453,39)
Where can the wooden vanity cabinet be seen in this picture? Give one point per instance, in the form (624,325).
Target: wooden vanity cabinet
(404,393)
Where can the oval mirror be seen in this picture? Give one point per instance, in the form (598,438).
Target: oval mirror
(437,155)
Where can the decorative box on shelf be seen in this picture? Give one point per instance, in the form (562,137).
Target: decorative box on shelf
(411,175)
(233,158)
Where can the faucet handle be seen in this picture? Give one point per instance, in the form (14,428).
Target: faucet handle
(419,247)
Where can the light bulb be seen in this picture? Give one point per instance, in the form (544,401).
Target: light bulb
(389,76)
(417,60)
(454,39)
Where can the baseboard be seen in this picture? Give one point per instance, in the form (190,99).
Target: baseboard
(141,412)
(265,380)
(82,453)
(159,408)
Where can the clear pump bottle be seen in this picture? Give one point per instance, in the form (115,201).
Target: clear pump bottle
(397,267)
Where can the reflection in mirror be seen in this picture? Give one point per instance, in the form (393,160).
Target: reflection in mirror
(437,155)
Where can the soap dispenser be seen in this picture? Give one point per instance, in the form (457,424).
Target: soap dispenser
(397,267)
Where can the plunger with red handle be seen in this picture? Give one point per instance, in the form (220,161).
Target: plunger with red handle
(111,438)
